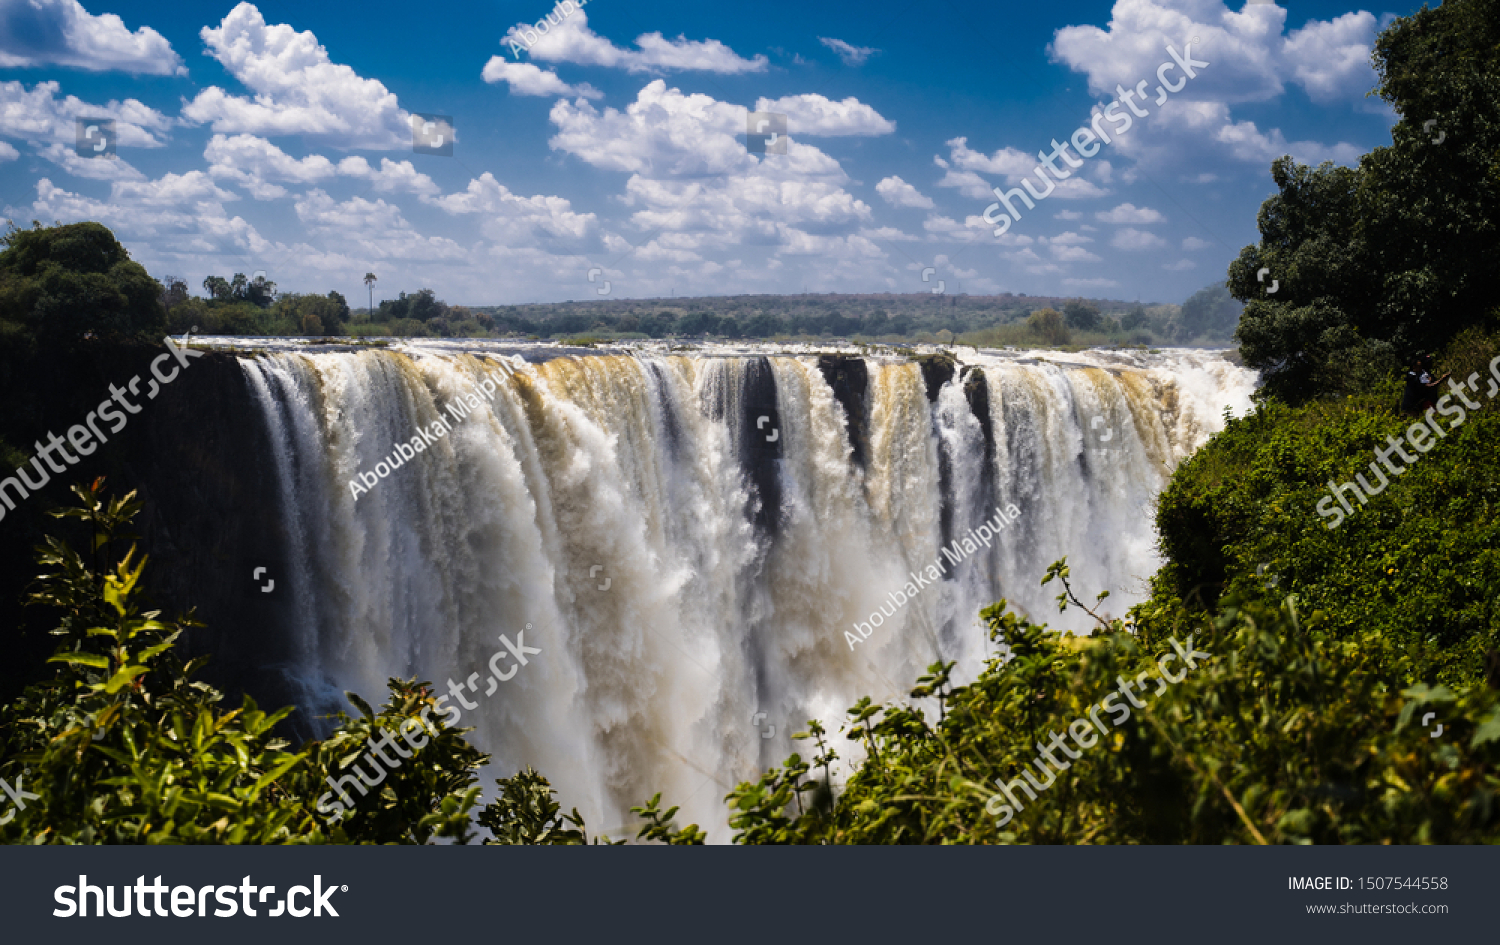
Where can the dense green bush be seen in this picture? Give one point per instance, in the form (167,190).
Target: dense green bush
(1418,564)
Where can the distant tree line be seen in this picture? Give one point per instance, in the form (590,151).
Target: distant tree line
(241,306)
(1209,317)
(422,313)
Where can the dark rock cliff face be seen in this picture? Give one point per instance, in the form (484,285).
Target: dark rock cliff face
(937,370)
(201,459)
(849,377)
(197,454)
(761,443)
(977,393)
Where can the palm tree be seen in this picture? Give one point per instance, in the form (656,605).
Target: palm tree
(370,284)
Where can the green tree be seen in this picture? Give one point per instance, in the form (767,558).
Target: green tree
(218,288)
(1369,264)
(1081,315)
(174,293)
(341,307)
(64,284)
(1306,283)
(124,746)
(310,314)
(259,291)
(423,305)
(1049,325)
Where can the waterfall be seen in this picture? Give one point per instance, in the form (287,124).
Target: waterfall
(691,539)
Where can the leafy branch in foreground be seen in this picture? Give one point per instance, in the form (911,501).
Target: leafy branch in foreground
(122,746)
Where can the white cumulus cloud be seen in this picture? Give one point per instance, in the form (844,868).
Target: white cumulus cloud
(1132,239)
(1130,213)
(571,40)
(516,220)
(527,79)
(63,33)
(1250,58)
(815,115)
(256,164)
(40,116)
(695,187)
(898,193)
(298,88)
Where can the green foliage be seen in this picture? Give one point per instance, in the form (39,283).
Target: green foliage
(1376,262)
(660,825)
(63,285)
(252,307)
(412,800)
(1048,325)
(1417,565)
(258,291)
(312,314)
(989,320)
(122,746)
(1081,314)
(202,317)
(524,813)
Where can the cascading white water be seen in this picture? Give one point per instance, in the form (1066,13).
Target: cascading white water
(687,539)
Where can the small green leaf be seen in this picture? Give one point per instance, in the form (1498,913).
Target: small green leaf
(1489,729)
(82,659)
(275,773)
(361,705)
(123,678)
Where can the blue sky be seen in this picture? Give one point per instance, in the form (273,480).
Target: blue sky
(277,137)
